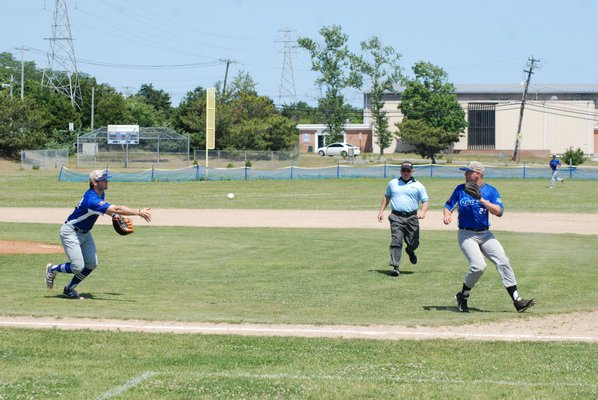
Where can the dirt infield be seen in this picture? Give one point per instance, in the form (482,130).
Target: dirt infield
(584,224)
(573,327)
(566,327)
(24,247)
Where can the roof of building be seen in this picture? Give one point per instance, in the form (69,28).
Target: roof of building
(511,88)
(533,87)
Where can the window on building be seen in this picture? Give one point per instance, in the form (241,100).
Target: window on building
(481,131)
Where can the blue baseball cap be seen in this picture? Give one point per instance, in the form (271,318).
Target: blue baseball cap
(99,175)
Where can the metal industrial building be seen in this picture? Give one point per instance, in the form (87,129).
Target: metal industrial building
(556,117)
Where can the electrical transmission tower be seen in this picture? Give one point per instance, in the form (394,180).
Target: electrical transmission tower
(286,91)
(61,73)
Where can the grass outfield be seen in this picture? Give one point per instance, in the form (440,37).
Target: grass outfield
(314,276)
(50,364)
(41,189)
(319,276)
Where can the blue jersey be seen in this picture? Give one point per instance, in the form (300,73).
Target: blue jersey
(554,164)
(406,196)
(472,213)
(88,210)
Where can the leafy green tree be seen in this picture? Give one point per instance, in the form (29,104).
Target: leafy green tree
(381,67)
(302,113)
(333,61)
(158,99)
(21,126)
(241,83)
(143,113)
(58,108)
(430,108)
(252,122)
(190,116)
(112,109)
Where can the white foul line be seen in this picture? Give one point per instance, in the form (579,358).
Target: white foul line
(129,384)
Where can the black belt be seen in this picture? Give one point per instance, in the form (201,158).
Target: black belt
(75,228)
(404,214)
(475,229)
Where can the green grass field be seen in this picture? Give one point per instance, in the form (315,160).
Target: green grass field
(278,276)
(318,194)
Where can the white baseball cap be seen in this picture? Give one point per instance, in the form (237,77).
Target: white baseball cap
(99,175)
(473,166)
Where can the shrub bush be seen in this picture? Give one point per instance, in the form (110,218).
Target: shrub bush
(573,157)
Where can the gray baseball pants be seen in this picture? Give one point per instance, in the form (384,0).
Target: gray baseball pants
(79,248)
(476,245)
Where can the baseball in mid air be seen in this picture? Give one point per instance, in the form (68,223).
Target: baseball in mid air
(230,196)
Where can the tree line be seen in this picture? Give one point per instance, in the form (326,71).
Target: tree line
(244,119)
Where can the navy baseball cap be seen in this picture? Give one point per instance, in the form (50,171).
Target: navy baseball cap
(99,175)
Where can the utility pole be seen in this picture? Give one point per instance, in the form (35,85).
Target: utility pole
(22,75)
(529,71)
(228,62)
(93,106)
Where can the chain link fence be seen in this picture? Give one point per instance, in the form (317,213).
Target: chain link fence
(246,158)
(46,159)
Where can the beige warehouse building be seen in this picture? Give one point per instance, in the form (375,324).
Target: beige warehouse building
(555,118)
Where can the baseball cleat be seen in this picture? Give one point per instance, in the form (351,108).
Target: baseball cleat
(412,256)
(521,305)
(71,294)
(50,276)
(395,272)
(461,302)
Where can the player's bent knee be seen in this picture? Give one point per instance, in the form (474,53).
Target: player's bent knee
(77,267)
(91,266)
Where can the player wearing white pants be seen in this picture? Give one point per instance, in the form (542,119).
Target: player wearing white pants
(79,247)
(476,240)
(555,165)
(476,246)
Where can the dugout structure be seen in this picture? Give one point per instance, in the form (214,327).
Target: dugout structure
(154,145)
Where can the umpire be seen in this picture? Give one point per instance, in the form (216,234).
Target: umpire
(404,195)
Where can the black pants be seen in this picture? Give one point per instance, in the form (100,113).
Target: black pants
(402,229)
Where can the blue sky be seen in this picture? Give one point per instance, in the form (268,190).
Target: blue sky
(126,43)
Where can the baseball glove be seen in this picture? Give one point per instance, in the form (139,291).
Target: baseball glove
(122,225)
(473,190)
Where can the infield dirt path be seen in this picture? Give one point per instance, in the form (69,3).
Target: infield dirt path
(567,327)
(585,224)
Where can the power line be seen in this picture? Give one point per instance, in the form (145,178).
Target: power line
(163,66)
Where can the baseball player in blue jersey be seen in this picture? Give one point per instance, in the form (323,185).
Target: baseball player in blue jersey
(475,200)
(75,233)
(404,195)
(555,165)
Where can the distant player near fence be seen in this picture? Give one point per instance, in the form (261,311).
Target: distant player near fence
(555,165)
